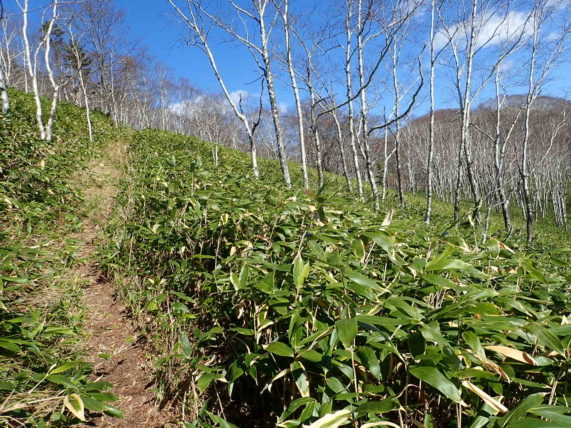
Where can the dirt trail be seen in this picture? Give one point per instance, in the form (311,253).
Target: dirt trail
(112,342)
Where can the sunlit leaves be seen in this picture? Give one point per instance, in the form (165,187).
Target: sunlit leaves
(335,305)
(346,330)
(75,405)
(434,378)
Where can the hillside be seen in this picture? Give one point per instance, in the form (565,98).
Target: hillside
(261,306)
(42,212)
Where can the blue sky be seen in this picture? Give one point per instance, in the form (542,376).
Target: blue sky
(154,23)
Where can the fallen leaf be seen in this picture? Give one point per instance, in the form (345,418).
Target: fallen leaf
(514,354)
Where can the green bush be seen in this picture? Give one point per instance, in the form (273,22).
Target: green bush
(42,375)
(274,307)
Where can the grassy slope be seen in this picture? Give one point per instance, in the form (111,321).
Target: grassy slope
(288,306)
(183,234)
(41,208)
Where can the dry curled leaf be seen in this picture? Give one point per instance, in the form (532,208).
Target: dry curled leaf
(388,219)
(514,354)
(74,404)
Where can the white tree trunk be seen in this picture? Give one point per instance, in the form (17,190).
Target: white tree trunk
(351,117)
(342,150)
(79,63)
(192,22)
(369,167)
(295,88)
(4,93)
(429,161)
(32,68)
(274,109)
(55,86)
(398,152)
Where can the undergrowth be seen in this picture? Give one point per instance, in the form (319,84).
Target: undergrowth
(43,379)
(268,307)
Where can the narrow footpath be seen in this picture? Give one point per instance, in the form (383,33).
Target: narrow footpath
(112,341)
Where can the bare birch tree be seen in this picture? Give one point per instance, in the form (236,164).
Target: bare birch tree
(32,67)
(430,155)
(194,22)
(349,87)
(542,59)
(79,60)
(3,86)
(54,83)
(284,12)
(257,16)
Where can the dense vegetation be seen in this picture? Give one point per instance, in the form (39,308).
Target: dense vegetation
(268,306)
(43,380)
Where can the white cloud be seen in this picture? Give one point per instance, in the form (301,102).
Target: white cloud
(551,37)
(238,95)
(205,102)
(558,4)
(491,29)
(187,106)
(283,108)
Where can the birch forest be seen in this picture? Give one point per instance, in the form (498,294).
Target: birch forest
(341,213)
(366,81)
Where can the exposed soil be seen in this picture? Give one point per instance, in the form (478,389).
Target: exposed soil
(112,343)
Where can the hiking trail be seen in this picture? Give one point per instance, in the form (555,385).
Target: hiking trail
(112,341)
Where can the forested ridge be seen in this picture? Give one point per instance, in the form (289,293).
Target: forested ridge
(172,257)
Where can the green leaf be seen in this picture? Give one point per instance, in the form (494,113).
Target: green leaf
(221,422)
(437,380)
(186,346)
(15,279)
(387,322)
(447,264)
(518,413)
(383,241)
(204,381)
(438,280)
(536,423)
(358,248)
(381,406)
(311,355)
(432,334)
(9,345)
(6,386)
(404,307)
(279,348)
(546,412)
(363,280)
(64,367)
(370,361)
(235,280)
(347,330)
(300,271)
(243,279)
(534,273)
(473,342)
(545,338)
(335,385)
(300,377)
(93,404)
(61,380)
(331,420)
(296,404)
